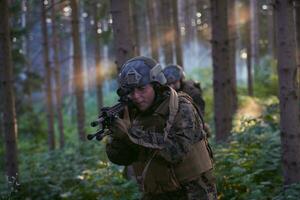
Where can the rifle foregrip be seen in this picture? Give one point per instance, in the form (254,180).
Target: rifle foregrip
(90,136)
(94,123)
(97,122)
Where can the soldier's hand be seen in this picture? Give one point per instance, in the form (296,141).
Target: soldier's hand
(119,128)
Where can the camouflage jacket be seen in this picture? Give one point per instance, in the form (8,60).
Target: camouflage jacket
(163,162)
(148,127)
(193,89)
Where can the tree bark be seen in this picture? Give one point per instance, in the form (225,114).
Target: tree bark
(189,18)
(27,42)
(48,85)
(121,31)
(97,52)
(134,16)
(232,48)
(288,91)
(55,41)
(151,7)
(249,47)
(222,82)
(166,31)
(8,99)
(297,17)
(254,33)
(177,35)
(77,71)
(271,37)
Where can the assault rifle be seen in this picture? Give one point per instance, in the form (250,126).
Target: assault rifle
(108,114)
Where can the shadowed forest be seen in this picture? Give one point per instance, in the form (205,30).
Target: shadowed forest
(59,65)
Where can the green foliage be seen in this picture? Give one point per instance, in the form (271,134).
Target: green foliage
(204,76)
(266,79)
(291,192)
(31,125)
(82,173)
(249,166)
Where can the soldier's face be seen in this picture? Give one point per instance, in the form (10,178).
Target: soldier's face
(142,97)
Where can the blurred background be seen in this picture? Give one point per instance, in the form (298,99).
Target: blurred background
(59,62)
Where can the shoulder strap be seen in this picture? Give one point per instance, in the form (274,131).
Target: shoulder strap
(173,109)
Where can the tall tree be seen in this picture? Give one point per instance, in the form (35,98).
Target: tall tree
(203,20)
(134,12)
(27,42)
(8,98)
(254,33)
(77,70)
(151,8)
(58,94)
(166,31)
(97,52)
(288,91)
(248,39)
(177,35)
(48,85)
(189,20)
(271,35)
(121,31)
(297,17)
(221,70)
(232,49)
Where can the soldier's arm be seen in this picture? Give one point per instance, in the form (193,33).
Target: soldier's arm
(185,131)
(121,152)
(119,149)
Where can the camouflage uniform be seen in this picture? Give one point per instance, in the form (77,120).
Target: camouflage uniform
(194,90)
(175,73)
(176,165)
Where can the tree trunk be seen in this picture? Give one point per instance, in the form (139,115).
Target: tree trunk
(232,49)
(288,91)
(203,20)
(121,31)
(151,7)
(177,35)
(8,99)
(166,32)
(254,34)
(58,94)
(97,52)
(189,20)
(27,42)
(221,70)
(77,71)
(83,44)
(271,28)
(249,51)
(49,101)
(297,17)
(134,16)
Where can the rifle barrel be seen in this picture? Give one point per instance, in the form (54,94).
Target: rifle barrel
(97,122)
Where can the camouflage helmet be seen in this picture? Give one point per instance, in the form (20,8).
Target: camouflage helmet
(173,73)
(140,71)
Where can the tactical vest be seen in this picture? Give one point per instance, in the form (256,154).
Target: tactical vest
(156,175)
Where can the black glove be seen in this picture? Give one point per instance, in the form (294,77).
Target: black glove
(119,127)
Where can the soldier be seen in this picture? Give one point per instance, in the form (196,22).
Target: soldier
(161,135)
(176,79)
